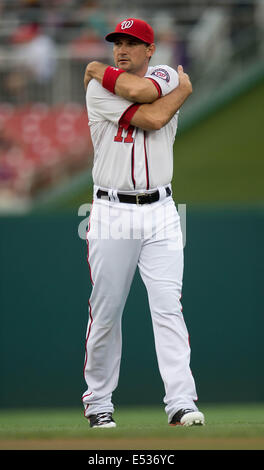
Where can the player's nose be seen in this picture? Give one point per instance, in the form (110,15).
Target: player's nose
(122,48)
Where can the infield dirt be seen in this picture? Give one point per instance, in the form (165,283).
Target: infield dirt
(134,444)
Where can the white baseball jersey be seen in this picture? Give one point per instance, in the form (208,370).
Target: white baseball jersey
(127,158)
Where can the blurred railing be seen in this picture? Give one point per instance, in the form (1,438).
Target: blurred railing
(19,85)
(217,60)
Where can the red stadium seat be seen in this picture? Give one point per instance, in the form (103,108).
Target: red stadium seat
(37,138)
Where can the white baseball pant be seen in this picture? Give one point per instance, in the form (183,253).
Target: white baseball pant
(121,237)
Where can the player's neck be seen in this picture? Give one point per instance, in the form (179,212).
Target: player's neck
(142,72)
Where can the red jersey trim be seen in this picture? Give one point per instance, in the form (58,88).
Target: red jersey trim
(157,85)
(127,115)
(146,161)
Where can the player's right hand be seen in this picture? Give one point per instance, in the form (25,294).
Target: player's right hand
(184,80)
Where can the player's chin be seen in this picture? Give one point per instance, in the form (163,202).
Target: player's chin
(124,65)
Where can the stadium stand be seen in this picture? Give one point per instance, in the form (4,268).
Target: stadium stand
(45,46)
(41,144)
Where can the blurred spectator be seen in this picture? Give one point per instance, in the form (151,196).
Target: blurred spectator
(209,44)
(89,46)
(89,42)
(31,10)
(241,19)
(35,63)
(259,20)
(92,16)
(165,39)
(259,14)
(170,48)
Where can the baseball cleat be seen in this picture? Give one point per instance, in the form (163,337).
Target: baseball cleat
(102,420)
(187,418)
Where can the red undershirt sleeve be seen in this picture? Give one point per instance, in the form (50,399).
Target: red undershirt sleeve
(126,117)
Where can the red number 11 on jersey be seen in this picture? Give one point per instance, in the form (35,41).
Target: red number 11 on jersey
(128,139)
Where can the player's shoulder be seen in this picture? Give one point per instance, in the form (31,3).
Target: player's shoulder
(94,88)
(163,72)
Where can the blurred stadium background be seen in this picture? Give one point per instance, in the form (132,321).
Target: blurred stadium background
(45,176)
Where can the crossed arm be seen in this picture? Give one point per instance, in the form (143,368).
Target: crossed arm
(153,113)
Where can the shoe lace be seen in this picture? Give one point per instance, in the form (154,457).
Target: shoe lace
(103,418)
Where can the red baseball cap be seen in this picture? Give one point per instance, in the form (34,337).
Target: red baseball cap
(133,27)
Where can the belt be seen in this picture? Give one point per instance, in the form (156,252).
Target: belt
(139,199)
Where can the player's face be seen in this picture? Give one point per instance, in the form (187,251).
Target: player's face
(132,55)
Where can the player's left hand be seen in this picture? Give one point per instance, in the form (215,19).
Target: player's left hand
(184,81)
(87,77)
(95,70)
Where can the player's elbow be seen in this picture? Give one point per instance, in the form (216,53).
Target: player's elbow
(154,123)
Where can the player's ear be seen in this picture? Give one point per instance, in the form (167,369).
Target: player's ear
(150,50)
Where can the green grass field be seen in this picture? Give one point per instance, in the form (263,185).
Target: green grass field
(228,427)
(220,160)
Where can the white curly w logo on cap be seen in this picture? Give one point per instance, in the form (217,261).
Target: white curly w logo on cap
(126,24)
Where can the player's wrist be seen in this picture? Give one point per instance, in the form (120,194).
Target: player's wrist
(110,77)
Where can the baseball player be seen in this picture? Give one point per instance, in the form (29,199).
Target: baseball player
(133,115)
